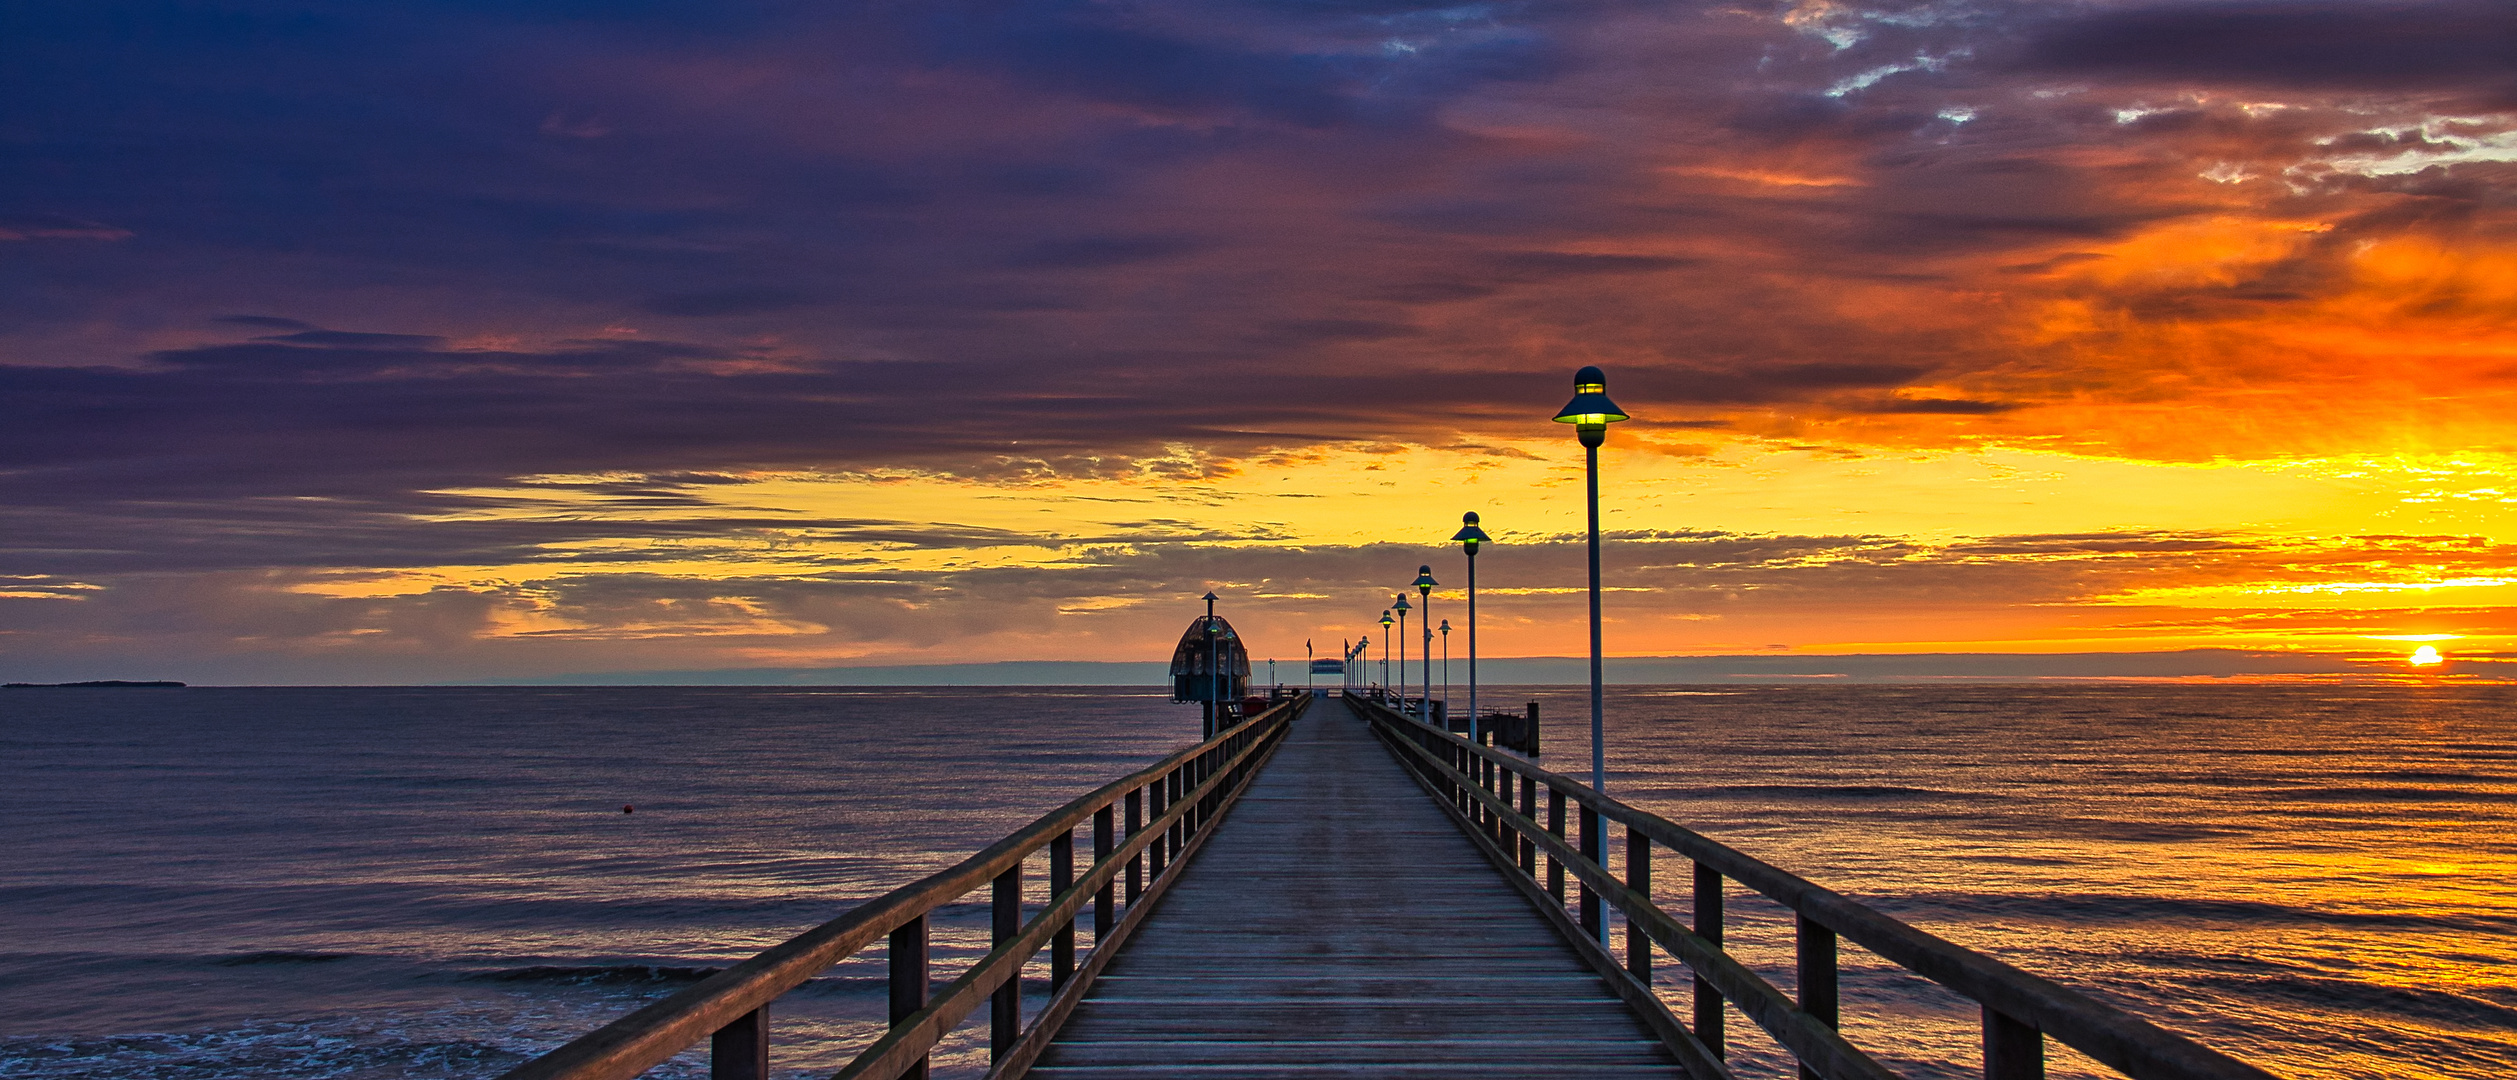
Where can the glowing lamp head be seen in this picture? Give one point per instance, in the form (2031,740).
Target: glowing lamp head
(1385,617)
(1425,582)
(2427,656)
(1590,412)
(1470,535)
(1446,628)
(1401,606)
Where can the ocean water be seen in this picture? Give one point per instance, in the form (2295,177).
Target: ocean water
(441,882)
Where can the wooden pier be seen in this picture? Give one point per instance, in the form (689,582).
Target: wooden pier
(1338,923)
(1331,889)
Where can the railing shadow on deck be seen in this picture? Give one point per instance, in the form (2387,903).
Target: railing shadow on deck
(1185,794)
(1478,787)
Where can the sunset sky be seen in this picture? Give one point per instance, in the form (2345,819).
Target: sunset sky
(443,341)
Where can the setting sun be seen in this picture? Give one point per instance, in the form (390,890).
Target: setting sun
(2425,656)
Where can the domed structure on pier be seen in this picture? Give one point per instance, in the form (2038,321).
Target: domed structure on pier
(1191,677)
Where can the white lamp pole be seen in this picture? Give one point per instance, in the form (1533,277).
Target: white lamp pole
(1385,649)
(1424,589)
(1401,607)
(1469,537)
(1446,673)
(1590,412)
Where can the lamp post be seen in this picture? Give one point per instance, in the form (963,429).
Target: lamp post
(1401,607)
(1424,591)
(1469,537)
(1446,673)
(1385,649)
(1214,677)
(1590,412)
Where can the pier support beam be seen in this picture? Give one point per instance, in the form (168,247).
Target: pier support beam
(1005,1007)
(1708,925)
(1104,841)
(2012,1050)
(740,1050)
(910,980)
(1819,996)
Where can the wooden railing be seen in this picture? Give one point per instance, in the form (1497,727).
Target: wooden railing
(1169,809)
(1478,786)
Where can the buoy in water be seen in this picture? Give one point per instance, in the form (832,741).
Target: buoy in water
(629,809)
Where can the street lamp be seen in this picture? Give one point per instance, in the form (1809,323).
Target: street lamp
(1385,650)
(1446,673)
(1469,537)
(1424,590)
(1214,679)
(1401,607)
(1590,412)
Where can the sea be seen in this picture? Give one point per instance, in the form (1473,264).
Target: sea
(443,882)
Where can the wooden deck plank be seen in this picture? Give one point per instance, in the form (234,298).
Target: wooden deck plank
(1338,925)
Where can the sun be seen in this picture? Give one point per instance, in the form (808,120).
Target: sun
(2425,656)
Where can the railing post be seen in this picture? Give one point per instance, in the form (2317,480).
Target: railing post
(1639,879)
(1555,827)
(1212,764)
(1191,775)
(1594,920)
(1817,977)
(1061,882)
(910,980)
(1104,841)
(1135,865)
(2012,1050)
(740,1050)
(1529,809)
(1183,782)
(1708,925)
(1487,820)
(1154,871)
(1179,825)
(1005,1007)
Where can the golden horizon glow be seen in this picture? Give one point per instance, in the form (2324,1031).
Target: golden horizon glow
(2299,572)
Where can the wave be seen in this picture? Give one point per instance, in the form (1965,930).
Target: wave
(2105,908)
(597,974)
(2385,794)
(271,1051)
(279,956)
(2444,1007)
(1799,791)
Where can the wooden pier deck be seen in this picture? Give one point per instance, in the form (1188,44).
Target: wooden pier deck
(1338,924)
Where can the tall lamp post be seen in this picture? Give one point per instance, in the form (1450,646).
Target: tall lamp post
(1401,607)
(1214,678)
(1590,412)
(1446,673)
(1469,537)
(1424,591)
(1385,649)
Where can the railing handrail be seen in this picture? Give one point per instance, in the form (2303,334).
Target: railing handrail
(647,1037)
(2134,1046)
